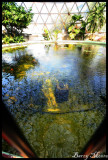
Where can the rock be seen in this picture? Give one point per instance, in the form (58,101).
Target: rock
(61,92)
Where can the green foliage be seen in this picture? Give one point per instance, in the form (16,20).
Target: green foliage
(55,33)
(9,49)
(75,18)
(19,39)
(46,34)
(14,18)
(72,35)
(96,18)
(73,30)
(95,22)
(9,39)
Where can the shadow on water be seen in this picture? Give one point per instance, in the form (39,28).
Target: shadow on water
(61,92)
(37,96)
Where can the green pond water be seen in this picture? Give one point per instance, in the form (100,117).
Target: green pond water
(57,95)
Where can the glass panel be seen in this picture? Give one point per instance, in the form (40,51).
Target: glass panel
(40,28)
(91,4)
(69,5)
(34,8)
(44,17)
(64,9)
(74,9)
(54,9)
(49,20)
(39,19)
(85,8)
(50,27)
(35,18)
(39,5)
(44,9)
(59,6)
(49,5)
(28,4)
(54,17)
(80,5)
(34,29)
(84,15)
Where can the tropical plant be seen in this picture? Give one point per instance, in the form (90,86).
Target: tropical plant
(9,39)
(46,34)
(14,18)
(74,31)
(55,33)
(94,23)
(96,18)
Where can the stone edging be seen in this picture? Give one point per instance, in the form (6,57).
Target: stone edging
(59,42)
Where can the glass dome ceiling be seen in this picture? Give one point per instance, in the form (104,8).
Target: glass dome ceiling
(52,15)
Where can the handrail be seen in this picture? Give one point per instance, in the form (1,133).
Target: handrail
(8,155)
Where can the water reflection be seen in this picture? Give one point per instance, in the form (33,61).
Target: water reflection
(21,64)
(61,92)
(47,47)
(43,83)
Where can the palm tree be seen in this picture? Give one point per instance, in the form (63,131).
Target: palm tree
(96,18)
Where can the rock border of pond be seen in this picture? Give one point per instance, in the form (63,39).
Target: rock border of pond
(12,45)
(12,48)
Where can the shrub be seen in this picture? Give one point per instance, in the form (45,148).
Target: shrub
(9,39)
(96,18)
(74,31)
(46,34)
(14,18)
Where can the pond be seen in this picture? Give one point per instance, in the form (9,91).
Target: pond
(57,95)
